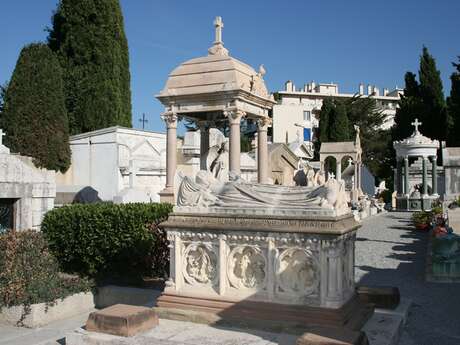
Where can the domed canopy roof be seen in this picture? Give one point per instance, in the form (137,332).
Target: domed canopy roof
(214,73)
(212,82)
(416,145)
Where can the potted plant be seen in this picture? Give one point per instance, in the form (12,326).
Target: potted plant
(422,220)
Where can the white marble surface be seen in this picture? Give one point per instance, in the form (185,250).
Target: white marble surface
(32,188)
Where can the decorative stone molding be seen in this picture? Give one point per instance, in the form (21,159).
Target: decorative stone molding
(170,119)
(263,123)
(234,116)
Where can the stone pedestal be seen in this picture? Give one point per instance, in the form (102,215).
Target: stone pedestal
(262,266)
(122,319)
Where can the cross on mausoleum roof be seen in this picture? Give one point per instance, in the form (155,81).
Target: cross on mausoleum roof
(416,123)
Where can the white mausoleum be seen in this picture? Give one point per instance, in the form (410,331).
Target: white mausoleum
(121,164)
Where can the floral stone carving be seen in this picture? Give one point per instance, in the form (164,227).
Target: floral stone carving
(200,264)
(297,272)
(246,267)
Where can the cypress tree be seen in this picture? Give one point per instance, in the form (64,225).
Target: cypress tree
(89,38)
(434,113)
(410,107)
(324,120)
(34,114)
(339,128)
(453,104)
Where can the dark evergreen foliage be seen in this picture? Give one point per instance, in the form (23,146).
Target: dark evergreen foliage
(324,119)
(410,108)
(453,103)
(339,127)
(34,115)
(89,38)
(434,112)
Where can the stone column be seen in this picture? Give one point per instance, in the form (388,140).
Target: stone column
(434,176)
(338,168)
(398,176)
(406,176)
(204,143)
(355,177)
(170,119)
(424,176)
(262,149)
(222,264)
(234,119)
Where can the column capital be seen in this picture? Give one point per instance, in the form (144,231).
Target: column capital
(234,116)
(263,123)
(170,119)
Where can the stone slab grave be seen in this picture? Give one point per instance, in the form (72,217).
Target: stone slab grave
(122,319)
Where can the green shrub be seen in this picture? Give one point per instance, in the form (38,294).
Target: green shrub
(29,274)
(101,238)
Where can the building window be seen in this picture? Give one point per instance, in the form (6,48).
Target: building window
(306,134)
(306,115)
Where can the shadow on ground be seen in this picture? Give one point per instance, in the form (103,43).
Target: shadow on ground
(435,315)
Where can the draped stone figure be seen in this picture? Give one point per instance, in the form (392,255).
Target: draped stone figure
(206,191)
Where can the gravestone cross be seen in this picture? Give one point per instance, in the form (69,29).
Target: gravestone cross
(1,136)
(416,123)
(143,120)
(219,24)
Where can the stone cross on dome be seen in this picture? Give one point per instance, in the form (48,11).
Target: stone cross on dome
(218,45)
(219,24)
(416,123)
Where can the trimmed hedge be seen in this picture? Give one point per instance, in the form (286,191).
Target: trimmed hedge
(29,274)
(101,238)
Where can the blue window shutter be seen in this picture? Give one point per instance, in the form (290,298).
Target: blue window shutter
(306,134)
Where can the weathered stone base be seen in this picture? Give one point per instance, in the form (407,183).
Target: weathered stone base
(122,319)
(294,319)
(380,296)
(167,195)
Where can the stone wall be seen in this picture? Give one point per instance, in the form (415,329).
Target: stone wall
(29,190)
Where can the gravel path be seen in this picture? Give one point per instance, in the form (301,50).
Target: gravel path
(390,252)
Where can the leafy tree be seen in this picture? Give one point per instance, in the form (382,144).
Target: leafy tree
(337,120)
(339,126)
(453,103)
(434,113)
(34,115)
(89,38)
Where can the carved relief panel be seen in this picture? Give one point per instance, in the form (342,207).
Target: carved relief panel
(297,272)
(199,264)
(247,267)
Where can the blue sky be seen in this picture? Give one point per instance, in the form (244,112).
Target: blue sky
(346,42)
